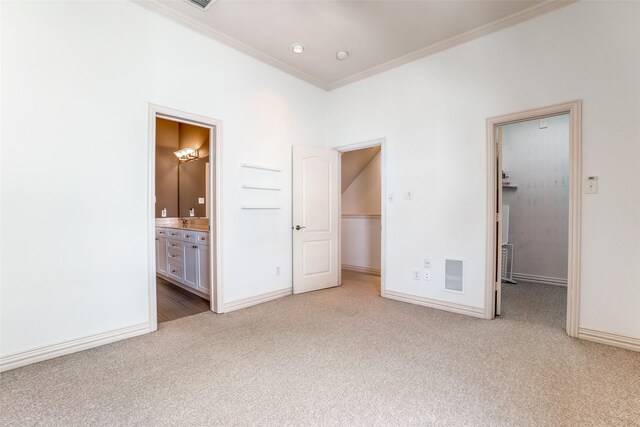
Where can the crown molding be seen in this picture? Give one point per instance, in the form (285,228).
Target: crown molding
(508,21)
(201,28)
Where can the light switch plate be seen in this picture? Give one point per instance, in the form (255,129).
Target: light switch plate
(427,263)
(416,275)
(201,200)
(591,185)
(408,195)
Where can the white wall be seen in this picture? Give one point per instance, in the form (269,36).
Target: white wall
(433,114)
(77,78)
(537,160)
(361,209)
(361,243)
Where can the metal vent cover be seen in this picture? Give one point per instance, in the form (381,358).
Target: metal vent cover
(454,275)
(201,4)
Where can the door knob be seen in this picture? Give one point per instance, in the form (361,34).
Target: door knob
(298,227)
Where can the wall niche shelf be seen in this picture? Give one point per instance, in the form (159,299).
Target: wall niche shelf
(263,167)
(260,187)
(259,207)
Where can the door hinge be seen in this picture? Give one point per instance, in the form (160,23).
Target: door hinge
(497,217)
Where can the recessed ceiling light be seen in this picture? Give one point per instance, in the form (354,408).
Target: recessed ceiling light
(342,55)
(297,48)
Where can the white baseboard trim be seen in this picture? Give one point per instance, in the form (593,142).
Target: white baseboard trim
(545,280)
(608,338)
(366,270)
(39,354)
(433,303)
(258,299)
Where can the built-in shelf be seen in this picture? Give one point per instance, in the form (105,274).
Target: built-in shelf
(263,167)
(260,187)
(259,207)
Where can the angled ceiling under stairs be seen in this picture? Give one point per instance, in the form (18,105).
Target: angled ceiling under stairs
(354,162)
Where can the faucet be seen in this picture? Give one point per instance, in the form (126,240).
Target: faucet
(185,222)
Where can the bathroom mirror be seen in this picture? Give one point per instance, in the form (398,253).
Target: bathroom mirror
(192,183)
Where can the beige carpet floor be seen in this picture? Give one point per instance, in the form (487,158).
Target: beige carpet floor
(342,356)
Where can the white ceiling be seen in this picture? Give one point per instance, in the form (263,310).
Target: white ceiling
(377,34)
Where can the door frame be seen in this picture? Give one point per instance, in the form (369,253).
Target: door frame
(214,204)
(378,142)
(574,109)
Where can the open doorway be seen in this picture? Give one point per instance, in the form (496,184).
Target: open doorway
(360,222)
(535,219)
(184,224)
(534,196)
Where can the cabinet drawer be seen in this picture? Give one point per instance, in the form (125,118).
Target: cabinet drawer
(189,236)
(174,234)
(161,232)
(175,244)
(175,255)
(202,238)
(175,271)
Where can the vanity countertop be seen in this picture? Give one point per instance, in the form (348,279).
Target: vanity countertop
(192,228)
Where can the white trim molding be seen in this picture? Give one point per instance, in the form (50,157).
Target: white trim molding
(545,280)
(257,299)
(52,351)
(434,303)
(365,270)
(608,338)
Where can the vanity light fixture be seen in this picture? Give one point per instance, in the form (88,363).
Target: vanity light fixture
(297,48)
(186,154)
(342,55)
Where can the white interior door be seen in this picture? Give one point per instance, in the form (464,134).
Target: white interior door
(316,216)
(498,221)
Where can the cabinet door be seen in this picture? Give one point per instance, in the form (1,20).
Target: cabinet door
(204,272)
(191,265)
(161,256)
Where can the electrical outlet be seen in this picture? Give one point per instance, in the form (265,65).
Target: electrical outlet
(427,263)
(408,195)
(416,275)
(426,275)
(277,270)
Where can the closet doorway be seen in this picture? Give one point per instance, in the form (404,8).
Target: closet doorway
(361,215)
(323,240)
(534,204)
(184,219)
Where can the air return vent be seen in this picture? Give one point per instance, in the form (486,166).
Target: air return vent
(453,275)
(202,4)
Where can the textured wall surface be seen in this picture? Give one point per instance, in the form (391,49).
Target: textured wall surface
(537,161)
